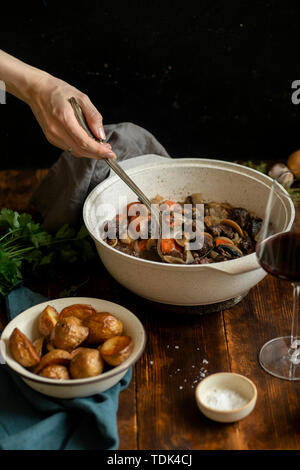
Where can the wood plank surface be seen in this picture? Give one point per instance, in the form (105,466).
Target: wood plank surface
(158,409)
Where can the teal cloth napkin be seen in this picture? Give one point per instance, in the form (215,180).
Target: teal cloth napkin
(32,421)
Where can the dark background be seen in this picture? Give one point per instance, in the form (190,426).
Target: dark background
(211,78)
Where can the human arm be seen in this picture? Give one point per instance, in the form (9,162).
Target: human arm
(48,97)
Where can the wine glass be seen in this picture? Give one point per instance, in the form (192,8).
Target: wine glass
(278,252)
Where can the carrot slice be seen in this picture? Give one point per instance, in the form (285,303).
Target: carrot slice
(168,202)
(169,244)
(222,241)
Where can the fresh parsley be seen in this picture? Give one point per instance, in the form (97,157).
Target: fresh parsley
(24,242)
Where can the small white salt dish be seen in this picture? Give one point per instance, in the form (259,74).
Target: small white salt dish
(241,388)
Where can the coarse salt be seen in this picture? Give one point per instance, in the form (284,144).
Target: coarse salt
(223,399)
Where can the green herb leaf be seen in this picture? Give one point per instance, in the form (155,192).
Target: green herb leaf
(24,242)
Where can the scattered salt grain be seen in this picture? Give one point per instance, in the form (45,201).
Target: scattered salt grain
(223,399)
(151,362)
(193,366)
(205,361)
(181,387)
(176,347)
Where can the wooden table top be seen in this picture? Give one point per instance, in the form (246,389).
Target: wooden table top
(158,410)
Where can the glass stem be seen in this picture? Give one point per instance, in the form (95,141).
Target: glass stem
(296,313)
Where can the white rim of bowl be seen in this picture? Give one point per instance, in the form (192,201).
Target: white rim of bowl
(227,411)
(73,382)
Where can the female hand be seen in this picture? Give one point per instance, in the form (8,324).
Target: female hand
(48,100)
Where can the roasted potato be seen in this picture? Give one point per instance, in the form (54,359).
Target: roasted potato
(47,321)
(49,346)
(102,326)
(57,356)
(116,350)
(38,345)
(69,333)
(22,349)
(76,351)
(55,371)
(81,311)
(86,363)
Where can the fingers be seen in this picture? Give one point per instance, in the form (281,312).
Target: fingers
(64,141)
(86,145)
(93,117)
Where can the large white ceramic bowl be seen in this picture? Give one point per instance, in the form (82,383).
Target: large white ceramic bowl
(27,323)
(175,178)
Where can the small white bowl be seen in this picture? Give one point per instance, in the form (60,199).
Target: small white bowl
(231,381)
(27,323)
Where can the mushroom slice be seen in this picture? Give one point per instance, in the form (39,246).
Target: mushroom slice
(236,239)
(182,241)
(172,253)
(208,221)
(230,251)
(22,349)
(234,225)
(112,242)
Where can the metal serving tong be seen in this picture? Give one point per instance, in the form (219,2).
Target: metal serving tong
(115,166)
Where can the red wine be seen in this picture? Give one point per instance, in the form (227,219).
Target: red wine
(280,255)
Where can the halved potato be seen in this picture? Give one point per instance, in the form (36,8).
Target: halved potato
(22,349)
(86,362)
(102,326)
(80,311)
(47,321)
(38,346)
(116,350)
(57,356)
(69,333)
(55,371)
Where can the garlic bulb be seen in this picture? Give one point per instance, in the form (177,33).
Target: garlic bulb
(278,172)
